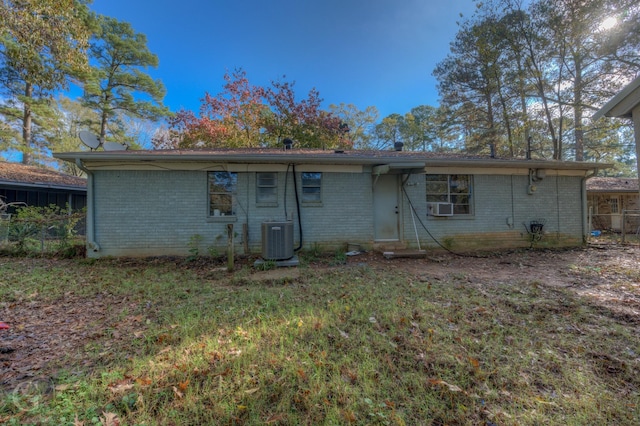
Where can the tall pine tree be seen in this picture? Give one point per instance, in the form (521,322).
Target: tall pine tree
(117,84)
(42,43)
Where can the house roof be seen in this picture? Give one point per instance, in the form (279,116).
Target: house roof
(16,174)
(612,184)
(410,159)
(622,104)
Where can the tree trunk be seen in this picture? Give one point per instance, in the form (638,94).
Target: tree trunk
(104,117)
(539,84)
(26,125)
(548,116)
(635,114)
(505,117)
(523,105)
(103,128)
(490,121)
(577,110)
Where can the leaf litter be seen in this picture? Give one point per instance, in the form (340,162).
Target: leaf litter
(48,334)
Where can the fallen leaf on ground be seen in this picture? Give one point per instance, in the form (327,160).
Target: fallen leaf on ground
(109,419)
(452,388)
(121,387)
(177,392)
(275,418)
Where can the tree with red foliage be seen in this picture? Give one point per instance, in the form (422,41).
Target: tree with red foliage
(303,121)
(244,115)
(232,118)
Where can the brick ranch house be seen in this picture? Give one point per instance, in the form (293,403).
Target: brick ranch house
(149,203)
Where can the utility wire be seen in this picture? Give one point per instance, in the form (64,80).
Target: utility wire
(404,191)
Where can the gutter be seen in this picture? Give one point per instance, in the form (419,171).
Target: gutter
(91,243)
(583,195)
(14,183)
(136,157)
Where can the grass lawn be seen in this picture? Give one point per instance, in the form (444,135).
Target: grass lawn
(367,343)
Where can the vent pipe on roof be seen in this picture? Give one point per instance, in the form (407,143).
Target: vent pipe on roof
(492,150)
(288,143)
(398,146)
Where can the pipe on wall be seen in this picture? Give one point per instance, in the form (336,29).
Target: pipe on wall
(583,195)
(91,243)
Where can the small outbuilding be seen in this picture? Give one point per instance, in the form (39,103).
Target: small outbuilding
(608,198)
(37,186)
(274,201)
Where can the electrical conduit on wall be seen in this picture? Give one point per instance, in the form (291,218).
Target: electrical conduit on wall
(91,243)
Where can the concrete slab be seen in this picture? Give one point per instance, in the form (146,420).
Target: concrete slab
(411,254)
(294,261)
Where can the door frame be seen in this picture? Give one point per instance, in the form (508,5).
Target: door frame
(616,216)
(386,191)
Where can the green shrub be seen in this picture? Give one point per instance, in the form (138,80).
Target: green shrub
(31,226)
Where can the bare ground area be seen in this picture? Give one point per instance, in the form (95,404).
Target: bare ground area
(47,335)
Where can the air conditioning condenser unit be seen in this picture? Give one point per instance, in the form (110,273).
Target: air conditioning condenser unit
(277,240)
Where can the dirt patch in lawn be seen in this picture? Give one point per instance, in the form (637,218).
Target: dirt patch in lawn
(46,334)
(607,275)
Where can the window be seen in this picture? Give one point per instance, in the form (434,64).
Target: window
(267,188)
(613,203)
(222,193)
(311,187)
(454,189)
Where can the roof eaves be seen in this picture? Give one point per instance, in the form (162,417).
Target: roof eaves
(329,158)
(617,100)
(13,183)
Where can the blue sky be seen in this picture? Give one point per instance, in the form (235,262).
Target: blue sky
(363,52)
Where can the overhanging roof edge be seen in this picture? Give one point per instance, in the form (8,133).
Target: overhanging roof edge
(626,91)
(43,185)
(329,158)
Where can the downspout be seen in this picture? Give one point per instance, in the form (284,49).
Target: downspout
(90,225)
(295,188)
(583,194)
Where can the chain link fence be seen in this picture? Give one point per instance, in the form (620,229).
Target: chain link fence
(631,226)
(43,230)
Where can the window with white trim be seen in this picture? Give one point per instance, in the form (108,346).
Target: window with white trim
(222,193)
(267,188)
(311,187)
(453,189)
